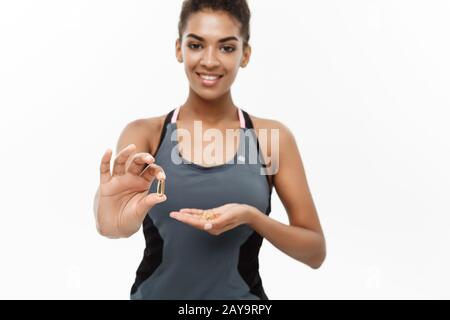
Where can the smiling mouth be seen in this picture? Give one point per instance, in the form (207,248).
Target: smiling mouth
(209,80)
(209,77)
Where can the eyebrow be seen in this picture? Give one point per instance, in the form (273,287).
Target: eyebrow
(192,35)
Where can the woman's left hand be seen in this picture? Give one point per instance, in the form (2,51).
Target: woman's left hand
(215,220)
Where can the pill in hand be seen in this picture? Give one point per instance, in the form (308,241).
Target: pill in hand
(209,215)
(160,187)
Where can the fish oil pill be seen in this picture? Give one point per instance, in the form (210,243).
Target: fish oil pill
(160,187)
(209,215)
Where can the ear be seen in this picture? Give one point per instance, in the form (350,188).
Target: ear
(178,52)
(246,56)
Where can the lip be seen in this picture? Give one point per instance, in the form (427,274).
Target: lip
(209,83)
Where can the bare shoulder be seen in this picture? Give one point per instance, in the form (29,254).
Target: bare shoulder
(153,127)
(144,133)
(284,132)
(273,136)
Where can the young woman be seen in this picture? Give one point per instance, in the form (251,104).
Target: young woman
(203,234)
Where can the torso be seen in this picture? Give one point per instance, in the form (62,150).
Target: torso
(182,262)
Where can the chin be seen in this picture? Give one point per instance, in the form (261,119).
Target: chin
(209,94)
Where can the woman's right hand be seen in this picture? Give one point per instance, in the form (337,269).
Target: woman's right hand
(123,201)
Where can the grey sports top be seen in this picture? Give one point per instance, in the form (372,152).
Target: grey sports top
(182,262)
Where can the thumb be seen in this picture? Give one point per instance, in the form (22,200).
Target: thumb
(148,202)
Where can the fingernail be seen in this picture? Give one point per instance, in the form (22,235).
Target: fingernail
(161,175)
(148,158)
(173,215)
(208,226)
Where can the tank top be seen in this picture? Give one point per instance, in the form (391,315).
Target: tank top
(185,263)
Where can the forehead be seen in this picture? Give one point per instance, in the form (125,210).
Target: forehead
(212,24)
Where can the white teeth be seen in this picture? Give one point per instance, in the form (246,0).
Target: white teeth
(209,77)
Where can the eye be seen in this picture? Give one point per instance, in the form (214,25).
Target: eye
(192,46)
(228,48)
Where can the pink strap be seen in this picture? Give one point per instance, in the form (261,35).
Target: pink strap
(241,116)
(175,115)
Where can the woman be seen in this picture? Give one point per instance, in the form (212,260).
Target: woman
(203,234)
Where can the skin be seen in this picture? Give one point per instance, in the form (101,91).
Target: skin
(303,238)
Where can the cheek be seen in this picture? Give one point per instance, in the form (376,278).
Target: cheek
(189,62)
(189,70)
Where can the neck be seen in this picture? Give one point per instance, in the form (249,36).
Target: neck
(209,111)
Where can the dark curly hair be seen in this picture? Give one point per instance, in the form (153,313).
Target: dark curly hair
(238,9)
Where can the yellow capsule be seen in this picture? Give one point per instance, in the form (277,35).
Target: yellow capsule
(209,215)
(160,187)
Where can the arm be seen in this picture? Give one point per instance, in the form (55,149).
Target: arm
(303,238)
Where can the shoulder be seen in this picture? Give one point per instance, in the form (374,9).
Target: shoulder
(276,141)
(284,133)
(144,132)
(153,127)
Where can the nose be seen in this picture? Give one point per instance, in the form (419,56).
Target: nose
(209,59)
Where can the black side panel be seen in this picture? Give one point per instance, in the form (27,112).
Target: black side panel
(153,241)
(248,265)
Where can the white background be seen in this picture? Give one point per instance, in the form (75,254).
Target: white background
(363,85)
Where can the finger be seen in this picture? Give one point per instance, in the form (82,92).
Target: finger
(193,211)
(221,221)
(105,167)
(218,228)
(197,217)
(153,171)
(188,219)
(193,219)
(184,212)
(121,159)
(138,161)
(207,226)
(149,202)
(207,214)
